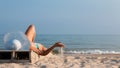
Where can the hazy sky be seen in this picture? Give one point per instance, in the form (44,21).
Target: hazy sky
(61,16)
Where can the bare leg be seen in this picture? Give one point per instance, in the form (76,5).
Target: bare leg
(31,33)
(47,51)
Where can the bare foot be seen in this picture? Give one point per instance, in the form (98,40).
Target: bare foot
(59,44)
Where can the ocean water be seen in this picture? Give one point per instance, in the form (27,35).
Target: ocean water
(80,43)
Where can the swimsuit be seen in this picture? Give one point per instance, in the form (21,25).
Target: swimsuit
(37,45)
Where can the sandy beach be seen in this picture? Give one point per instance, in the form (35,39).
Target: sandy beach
(71,61)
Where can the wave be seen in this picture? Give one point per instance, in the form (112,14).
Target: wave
(92,52)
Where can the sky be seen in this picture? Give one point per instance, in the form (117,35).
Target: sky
(61,16)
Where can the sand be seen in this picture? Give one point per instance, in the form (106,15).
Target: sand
(71,61)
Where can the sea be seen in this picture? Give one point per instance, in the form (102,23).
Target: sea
(84,44)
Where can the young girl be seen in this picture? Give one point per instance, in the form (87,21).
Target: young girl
(37,47)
